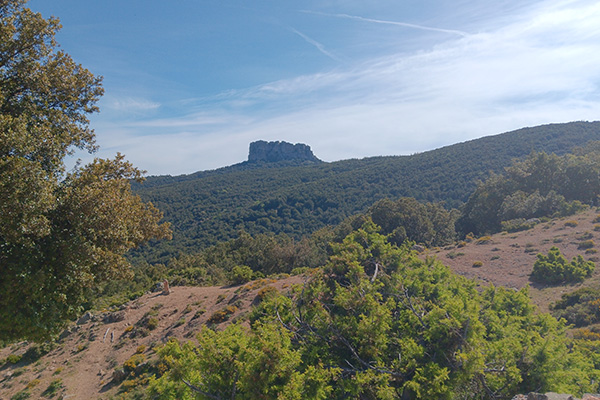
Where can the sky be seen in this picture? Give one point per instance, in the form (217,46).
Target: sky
(189,84)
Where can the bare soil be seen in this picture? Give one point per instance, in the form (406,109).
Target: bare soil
(507,258)
(84,360)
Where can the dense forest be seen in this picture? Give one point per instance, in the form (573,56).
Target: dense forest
(208,207)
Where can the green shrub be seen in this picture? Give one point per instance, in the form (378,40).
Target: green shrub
(483,240)
(299,271)
(152,323)
(585,236)
(140,349)
(580,307)
(452,255)
(13,359)
(571,223)
(586,244)
(477,264)
(134,361)
(53,388)
(22,395)
(266,292)
(240,274)
(519,224)
(554,268)
(222,315)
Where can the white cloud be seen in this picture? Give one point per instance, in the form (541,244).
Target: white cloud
(396,23)
(129,104)
(316,44)
(541,68)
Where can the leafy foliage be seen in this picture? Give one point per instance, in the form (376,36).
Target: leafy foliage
(238,364)
(60,235)
(542,185)
(580,307)
(554,268)
(376,322)
(406,218)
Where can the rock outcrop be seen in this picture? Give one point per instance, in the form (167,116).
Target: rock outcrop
(280,151)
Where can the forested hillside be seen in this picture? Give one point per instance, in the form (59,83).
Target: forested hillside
(208,207)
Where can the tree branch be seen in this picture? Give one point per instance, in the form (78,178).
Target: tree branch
(202,392)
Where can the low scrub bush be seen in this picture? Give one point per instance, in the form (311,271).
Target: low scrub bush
(240,274)
(483,240)
(222,315)
(580,307)
(266,292)
(519,224)
(586,244)
(554,268)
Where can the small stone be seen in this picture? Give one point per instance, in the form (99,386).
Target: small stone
(119,375)
(166,289)
(85,318)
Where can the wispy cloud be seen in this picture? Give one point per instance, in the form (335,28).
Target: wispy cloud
(130,104)
(541,68)
(396,23)
(318,45)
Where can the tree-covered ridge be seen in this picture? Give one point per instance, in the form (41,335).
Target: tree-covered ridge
(376,322)
(208,207)
(540,186)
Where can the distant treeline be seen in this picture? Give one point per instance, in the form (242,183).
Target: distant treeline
(296,200)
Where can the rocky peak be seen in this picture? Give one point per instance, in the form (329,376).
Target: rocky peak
(280,151)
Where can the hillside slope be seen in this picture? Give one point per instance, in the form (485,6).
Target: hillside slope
(84,360)
(507,258)
(212,206)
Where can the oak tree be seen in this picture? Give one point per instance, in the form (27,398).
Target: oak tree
(60,233)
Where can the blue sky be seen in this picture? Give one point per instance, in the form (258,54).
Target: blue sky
(189,84)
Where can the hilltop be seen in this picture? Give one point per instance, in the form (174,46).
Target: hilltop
(297,199)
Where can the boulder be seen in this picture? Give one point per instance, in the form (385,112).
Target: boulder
(85,318)
(117,316)
(119,375)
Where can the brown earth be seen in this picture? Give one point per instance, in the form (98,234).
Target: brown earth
(85,358)
(507,258)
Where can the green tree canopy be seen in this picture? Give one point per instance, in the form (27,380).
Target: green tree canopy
(377,322)
(541,185)
(60,233)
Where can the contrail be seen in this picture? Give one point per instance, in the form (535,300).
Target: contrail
(404,24)
(318,45)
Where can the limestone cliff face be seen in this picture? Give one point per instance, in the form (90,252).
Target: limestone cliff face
(280,151)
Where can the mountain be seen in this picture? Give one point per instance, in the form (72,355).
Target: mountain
(298,197)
